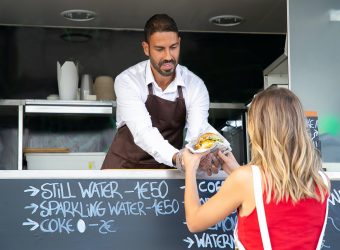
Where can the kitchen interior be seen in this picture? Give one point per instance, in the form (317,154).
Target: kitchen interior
(236,47)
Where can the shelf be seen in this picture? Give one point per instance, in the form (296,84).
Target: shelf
(277,73)
(279,66)
(11,102)
(227,111)
(69,107)
(217,110)
(9,107)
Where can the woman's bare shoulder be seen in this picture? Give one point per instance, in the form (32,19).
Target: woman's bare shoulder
(243,172)
(242,175)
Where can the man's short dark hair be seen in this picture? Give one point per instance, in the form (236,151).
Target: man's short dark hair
(159,23)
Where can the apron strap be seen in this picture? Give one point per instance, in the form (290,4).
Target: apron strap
(325,180)
(261,216)
(180,92)
(150,89)
(179,89)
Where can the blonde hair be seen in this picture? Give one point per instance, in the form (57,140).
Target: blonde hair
(282,147)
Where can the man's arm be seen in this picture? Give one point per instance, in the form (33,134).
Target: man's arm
(197,123)
(198,112)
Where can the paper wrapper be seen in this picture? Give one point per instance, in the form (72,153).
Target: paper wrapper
(223,146)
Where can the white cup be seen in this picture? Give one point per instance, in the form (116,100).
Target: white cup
(85,86)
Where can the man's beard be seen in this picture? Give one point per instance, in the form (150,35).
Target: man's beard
(164,72)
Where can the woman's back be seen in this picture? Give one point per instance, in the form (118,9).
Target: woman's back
(290,226)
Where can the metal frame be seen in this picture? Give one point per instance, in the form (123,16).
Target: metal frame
(69,107)
(20,134)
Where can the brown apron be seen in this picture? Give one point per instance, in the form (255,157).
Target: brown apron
(167,116)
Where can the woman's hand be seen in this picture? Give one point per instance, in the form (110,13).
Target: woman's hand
(191,161)
(228,161)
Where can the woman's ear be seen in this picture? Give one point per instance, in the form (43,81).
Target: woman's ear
(146,48)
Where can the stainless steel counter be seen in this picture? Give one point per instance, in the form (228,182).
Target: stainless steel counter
(114,174)
(217,110)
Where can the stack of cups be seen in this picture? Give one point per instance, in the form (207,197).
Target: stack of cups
(85,87)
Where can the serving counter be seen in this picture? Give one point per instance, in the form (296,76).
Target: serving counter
(115,209)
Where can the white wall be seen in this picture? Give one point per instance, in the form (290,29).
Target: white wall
(314,66)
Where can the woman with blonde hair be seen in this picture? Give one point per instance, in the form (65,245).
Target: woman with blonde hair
(281,195)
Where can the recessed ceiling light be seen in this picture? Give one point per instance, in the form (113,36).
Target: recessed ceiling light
(79,15)
(226,20)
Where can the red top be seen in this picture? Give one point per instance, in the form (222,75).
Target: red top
(290,226)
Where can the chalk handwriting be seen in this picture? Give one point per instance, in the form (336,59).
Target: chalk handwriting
(126,208)
(334,197)
(70,208)
(31,223)
(106,227)
(148,190)
(57,225)
(323,245)
(209,186)
(100,190)
(81,226)
(164,207)
(56,190)
(34,191)
(227,225)
(312,123)
(214,241)
(337,228)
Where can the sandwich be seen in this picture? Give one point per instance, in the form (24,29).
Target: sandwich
(207,140)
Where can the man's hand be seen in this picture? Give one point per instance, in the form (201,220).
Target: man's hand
(177,160)
(209,164)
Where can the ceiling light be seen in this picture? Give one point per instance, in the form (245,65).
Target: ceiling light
(78,15)
(226,20)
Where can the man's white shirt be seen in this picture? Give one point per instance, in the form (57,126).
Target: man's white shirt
(131,87)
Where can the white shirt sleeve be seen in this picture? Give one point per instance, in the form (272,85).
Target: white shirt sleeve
(198,111)
(133,112)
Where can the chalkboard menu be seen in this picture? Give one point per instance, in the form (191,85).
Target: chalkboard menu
(104,214)
(312,122)
(332,234)
(117,214)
